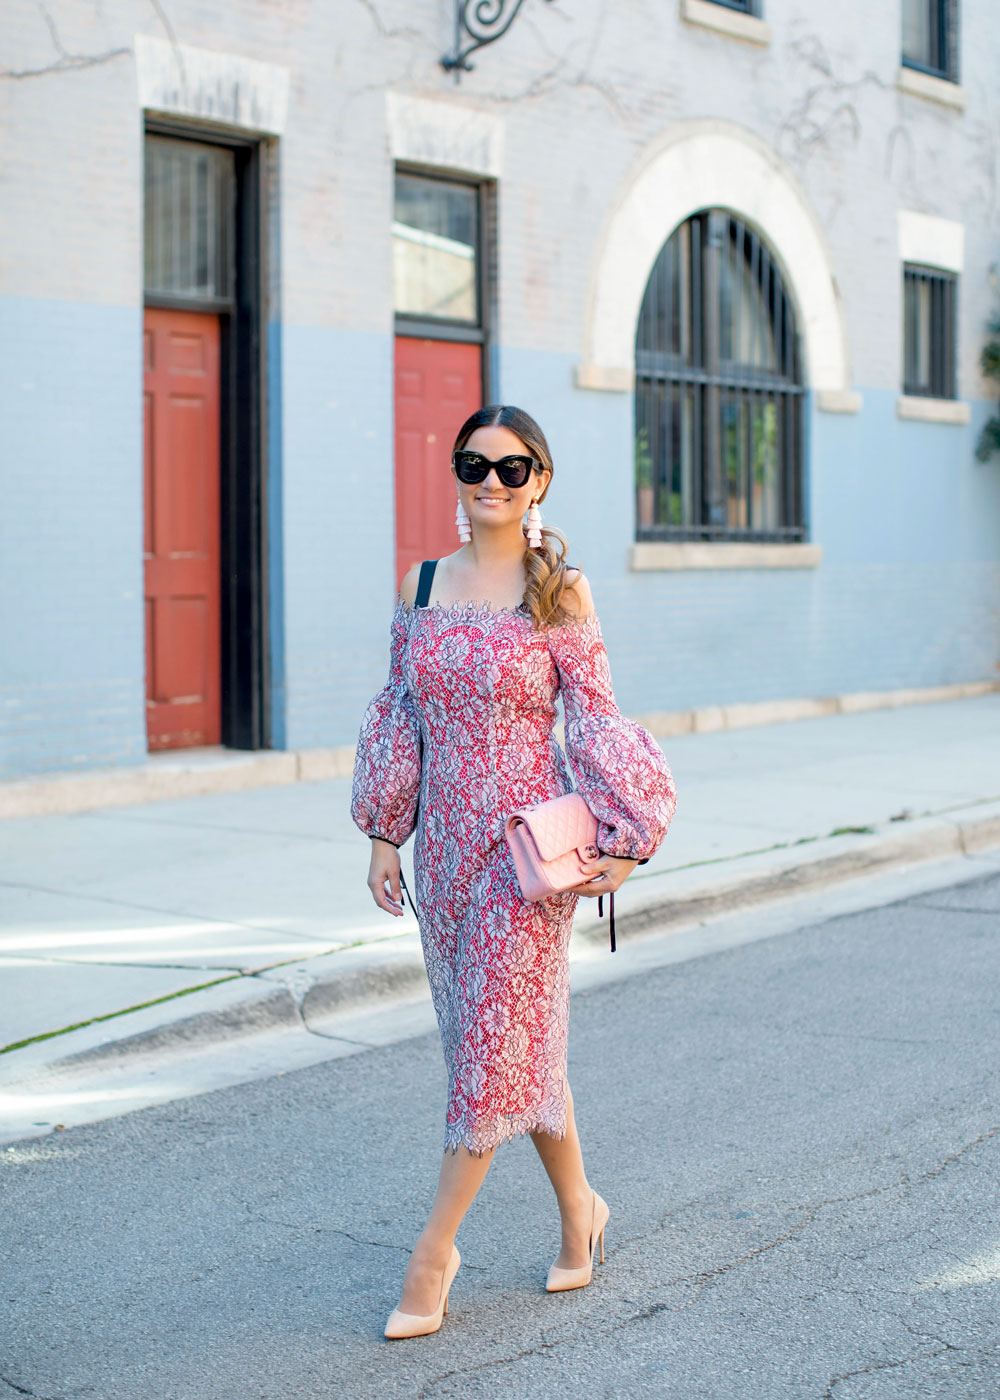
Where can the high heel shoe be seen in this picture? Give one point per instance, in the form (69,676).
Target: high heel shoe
(561,1279)
(403,1324)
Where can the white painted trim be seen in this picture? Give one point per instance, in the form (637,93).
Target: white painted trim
(932,241)
(722,554)
(726,21)
(839,401)
(700,164)
(919,84)
(450,135)
(933,410)
(666,723)
(212,86)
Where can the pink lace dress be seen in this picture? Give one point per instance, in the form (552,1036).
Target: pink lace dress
(460,735)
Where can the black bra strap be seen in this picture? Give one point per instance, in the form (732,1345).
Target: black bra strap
(424,583)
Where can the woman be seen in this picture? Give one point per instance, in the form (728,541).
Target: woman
(460,736)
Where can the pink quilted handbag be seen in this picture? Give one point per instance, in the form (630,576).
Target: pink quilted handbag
(549,842)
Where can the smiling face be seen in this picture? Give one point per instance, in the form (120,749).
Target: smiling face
(492,503)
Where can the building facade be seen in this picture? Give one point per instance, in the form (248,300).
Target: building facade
(261,261)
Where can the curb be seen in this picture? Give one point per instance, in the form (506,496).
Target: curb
(392,970)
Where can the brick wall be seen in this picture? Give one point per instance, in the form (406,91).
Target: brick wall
(909,523)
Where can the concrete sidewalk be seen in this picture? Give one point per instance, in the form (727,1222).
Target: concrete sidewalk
(137,927)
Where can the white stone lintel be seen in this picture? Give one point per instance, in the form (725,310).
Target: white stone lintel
(446,135)
(726,21)
(930,241)
(927,410)
(227,88)
(721,554)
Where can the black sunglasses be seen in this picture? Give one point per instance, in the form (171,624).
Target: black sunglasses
(473,467)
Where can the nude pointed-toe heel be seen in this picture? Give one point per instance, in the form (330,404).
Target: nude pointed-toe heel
(403,1324)
(561,1279)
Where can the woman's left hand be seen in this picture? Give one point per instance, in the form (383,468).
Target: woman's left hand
(612,870)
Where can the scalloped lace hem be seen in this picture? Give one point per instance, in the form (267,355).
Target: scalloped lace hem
(498,1130)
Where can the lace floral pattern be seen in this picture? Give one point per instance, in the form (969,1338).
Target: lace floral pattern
(460,735)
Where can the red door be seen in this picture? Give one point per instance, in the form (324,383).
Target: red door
(181,548)
(438,384)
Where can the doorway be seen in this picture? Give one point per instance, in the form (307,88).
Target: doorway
(204,535)
(441,286)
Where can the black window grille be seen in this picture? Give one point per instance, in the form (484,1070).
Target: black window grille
(189,211)
(928,333)
(930,37)
(718,404)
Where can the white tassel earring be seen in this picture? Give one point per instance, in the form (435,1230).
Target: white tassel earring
(463,523)
(534,526)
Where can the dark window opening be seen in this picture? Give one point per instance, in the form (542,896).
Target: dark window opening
(718,408)
(930,40)
(435,249)
(746,7)
(928,333)
(189,221)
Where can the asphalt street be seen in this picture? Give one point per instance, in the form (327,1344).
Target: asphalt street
(799,1140)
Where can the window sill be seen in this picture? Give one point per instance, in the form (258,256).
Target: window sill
(726,21)
(932,410)
(605,377)
(662,554)
(919,84)
(839,401)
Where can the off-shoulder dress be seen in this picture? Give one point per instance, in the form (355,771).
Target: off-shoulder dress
(460,735)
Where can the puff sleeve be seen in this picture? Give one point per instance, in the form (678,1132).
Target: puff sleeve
(386,785)
(620,769)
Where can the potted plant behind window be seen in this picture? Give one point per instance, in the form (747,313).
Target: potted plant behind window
(644,487)
(989,363)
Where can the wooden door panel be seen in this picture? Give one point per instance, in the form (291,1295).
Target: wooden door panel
(181,529)
(438,384)
(189,483)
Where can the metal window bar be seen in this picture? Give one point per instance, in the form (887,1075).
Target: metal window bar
(189,215)
(719,428)
(929,333)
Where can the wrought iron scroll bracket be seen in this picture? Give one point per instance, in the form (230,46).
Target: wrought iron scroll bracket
(481,22)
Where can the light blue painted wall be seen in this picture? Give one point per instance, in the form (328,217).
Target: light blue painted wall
(72,689)
(338,535)
(908,593)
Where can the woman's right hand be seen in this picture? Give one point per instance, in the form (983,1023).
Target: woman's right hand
(383,871)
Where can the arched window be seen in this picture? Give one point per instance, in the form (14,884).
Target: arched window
(718,399)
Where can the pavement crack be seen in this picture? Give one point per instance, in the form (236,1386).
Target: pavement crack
(954,1156)
(115,962)
(187,915)
(298,990)
(538,1350)
(22,1390)
(880,1366)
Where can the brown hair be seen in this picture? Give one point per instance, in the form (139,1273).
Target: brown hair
(546,566)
